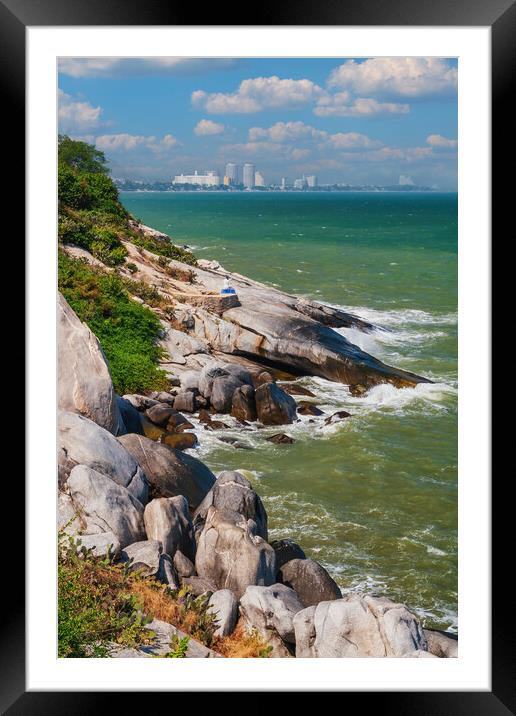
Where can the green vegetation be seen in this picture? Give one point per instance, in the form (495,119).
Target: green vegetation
(127,331)
(95,604)
(162,247)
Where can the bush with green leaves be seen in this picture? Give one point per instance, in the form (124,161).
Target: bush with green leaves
(127,331)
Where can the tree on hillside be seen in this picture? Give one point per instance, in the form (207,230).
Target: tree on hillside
(81,156)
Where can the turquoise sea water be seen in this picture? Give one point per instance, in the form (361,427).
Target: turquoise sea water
(374,499)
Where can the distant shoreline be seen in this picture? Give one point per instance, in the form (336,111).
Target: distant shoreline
(280,191)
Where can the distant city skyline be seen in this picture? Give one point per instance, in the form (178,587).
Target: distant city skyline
(377,121)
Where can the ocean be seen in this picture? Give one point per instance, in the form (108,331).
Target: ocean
(374,498)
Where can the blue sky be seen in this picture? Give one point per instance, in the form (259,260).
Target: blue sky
(344,119)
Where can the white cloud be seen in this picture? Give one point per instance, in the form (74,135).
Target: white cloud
(337,106)
(402,76)
(286,132)
(127,142)
(76,115)
(440,142)
(352,140)
(139,66)
(206,127)
(258,94)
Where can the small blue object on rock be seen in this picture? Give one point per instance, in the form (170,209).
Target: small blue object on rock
(227,288)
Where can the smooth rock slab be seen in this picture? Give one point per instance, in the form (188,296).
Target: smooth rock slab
(233,492)
(232,555)
(170,472)
(167,520)
(357,626)
(224,605)
(83,442)
(309,580)
(106,504)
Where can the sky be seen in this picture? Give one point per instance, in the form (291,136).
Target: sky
(349,120)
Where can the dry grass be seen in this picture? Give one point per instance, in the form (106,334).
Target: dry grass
(242,644)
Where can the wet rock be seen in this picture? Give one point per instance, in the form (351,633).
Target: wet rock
(306,408)
(286,550)
(224,605)
(309,580)
(151,431)
(165,397)
(357,626)
(294,389)
(130,416)
(357,390)
(239,445)
(184,426)
(232,492)
(170,472)
(274,406)
(186,400)
(337,417)
(204,416)
(160,414)
(167,520)
(175,420)
(109,506)
(180,441)
(243,405)
(84,383)
(232,555)
(222,390)
(281,439)
(263,377)
(83,442)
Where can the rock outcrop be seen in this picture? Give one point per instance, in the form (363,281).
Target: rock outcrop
(271,610)
(167,520)
(274,406)
(309,580)
(224,606)
(84,383)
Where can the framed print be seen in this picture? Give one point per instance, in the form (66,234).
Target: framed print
(258,257)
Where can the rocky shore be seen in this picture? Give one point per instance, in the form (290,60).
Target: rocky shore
(129,489)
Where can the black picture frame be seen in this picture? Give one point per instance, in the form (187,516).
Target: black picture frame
(500,16)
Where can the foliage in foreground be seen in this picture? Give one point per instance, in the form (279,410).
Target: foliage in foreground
(127,331)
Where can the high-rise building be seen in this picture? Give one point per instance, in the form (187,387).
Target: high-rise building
(232,172)
(248,176)
(300,183)
(210,178)
(311,181)
(258,179)
(283,184)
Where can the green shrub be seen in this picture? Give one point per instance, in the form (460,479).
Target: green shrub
(126,330)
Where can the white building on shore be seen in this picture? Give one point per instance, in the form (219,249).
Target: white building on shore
(258,179)
(211,178)
(248,176)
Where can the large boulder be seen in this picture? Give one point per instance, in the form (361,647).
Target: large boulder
(309,580)
(167,520)
(83,442)
(271,610)
(130,416)
(84,383)
(232,555)
(147,558)
(357,626)
(445,645)
(224,606)
(212,371)
(243,405)
(170,472)
(186,400)
(274,406)
(285,550)
(233,492)
(107,505)
(160,413)
(222,391)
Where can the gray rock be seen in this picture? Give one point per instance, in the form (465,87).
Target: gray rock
(140,402)
(218,370)
(186,400)
(160,414)
(170,472)
(189,380)
(168,573)
(233,492)
(106,504)
(243,405)
(445,645)
(271,609)
(224,605)
(199,585)
(130,416)
(83,442)
(167,520)
(274,406)
(165,634)
(232,555)
(418,654)
(165,397)
(104,544)
(184,566)
(357,626)
(309,580)
(84,383)
(145,557)
(222,391)
(285,550)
